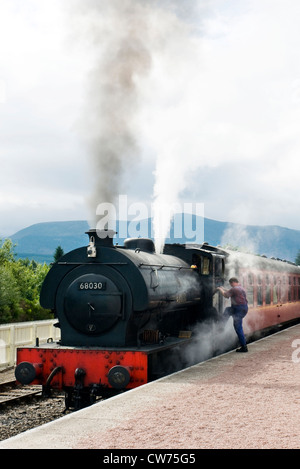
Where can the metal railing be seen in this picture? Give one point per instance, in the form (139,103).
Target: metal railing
(24,334)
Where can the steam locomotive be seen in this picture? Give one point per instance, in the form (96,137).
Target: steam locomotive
(125,312)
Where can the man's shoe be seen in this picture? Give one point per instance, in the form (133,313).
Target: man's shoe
(243,349)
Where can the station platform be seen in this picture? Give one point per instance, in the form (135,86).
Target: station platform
(234,401)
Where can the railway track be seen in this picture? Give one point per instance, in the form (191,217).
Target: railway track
(11,392)
(25,410)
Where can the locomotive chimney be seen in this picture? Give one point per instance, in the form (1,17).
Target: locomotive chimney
(101,238)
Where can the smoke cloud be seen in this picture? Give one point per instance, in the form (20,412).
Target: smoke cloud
(139,67)
(117,34)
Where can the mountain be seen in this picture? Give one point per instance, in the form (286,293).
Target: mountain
(40,240)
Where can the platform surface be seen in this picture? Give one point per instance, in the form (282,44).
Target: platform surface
(233,401)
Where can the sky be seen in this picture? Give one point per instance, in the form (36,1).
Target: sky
(163,101)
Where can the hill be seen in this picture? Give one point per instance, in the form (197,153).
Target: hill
(40,240)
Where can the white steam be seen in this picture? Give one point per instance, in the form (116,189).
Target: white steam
(209,340)
(144,53)
(237,236)
(189,85)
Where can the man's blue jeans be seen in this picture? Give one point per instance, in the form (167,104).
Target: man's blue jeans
(237,312)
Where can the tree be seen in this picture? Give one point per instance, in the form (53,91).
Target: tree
(10,296)
(7,251)
(20,284)
(59,252)
(297,261)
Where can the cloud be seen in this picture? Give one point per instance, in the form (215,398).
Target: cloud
(42,167)
(233,106)
(218,109)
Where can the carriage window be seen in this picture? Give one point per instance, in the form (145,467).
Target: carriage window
(250,295)
(275,298)
(294,292)
(290,289)
(268,295)
(279,292)
(259,291)
(268,290)
(259,280)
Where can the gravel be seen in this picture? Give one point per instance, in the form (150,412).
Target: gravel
(17,418)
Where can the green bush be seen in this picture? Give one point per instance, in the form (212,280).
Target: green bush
(20,285)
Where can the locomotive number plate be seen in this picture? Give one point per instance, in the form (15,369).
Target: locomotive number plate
(92,285)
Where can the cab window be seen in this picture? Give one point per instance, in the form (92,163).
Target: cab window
(205,264)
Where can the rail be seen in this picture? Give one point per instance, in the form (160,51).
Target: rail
(11,392)
(24,334)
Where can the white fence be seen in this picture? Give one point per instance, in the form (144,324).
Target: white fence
(24,333)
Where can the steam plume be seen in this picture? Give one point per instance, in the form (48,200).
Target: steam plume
(184,83)
(138,47)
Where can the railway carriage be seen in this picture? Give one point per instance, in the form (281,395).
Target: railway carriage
(273,290)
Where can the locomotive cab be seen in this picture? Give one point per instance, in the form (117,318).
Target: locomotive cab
(209,263)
